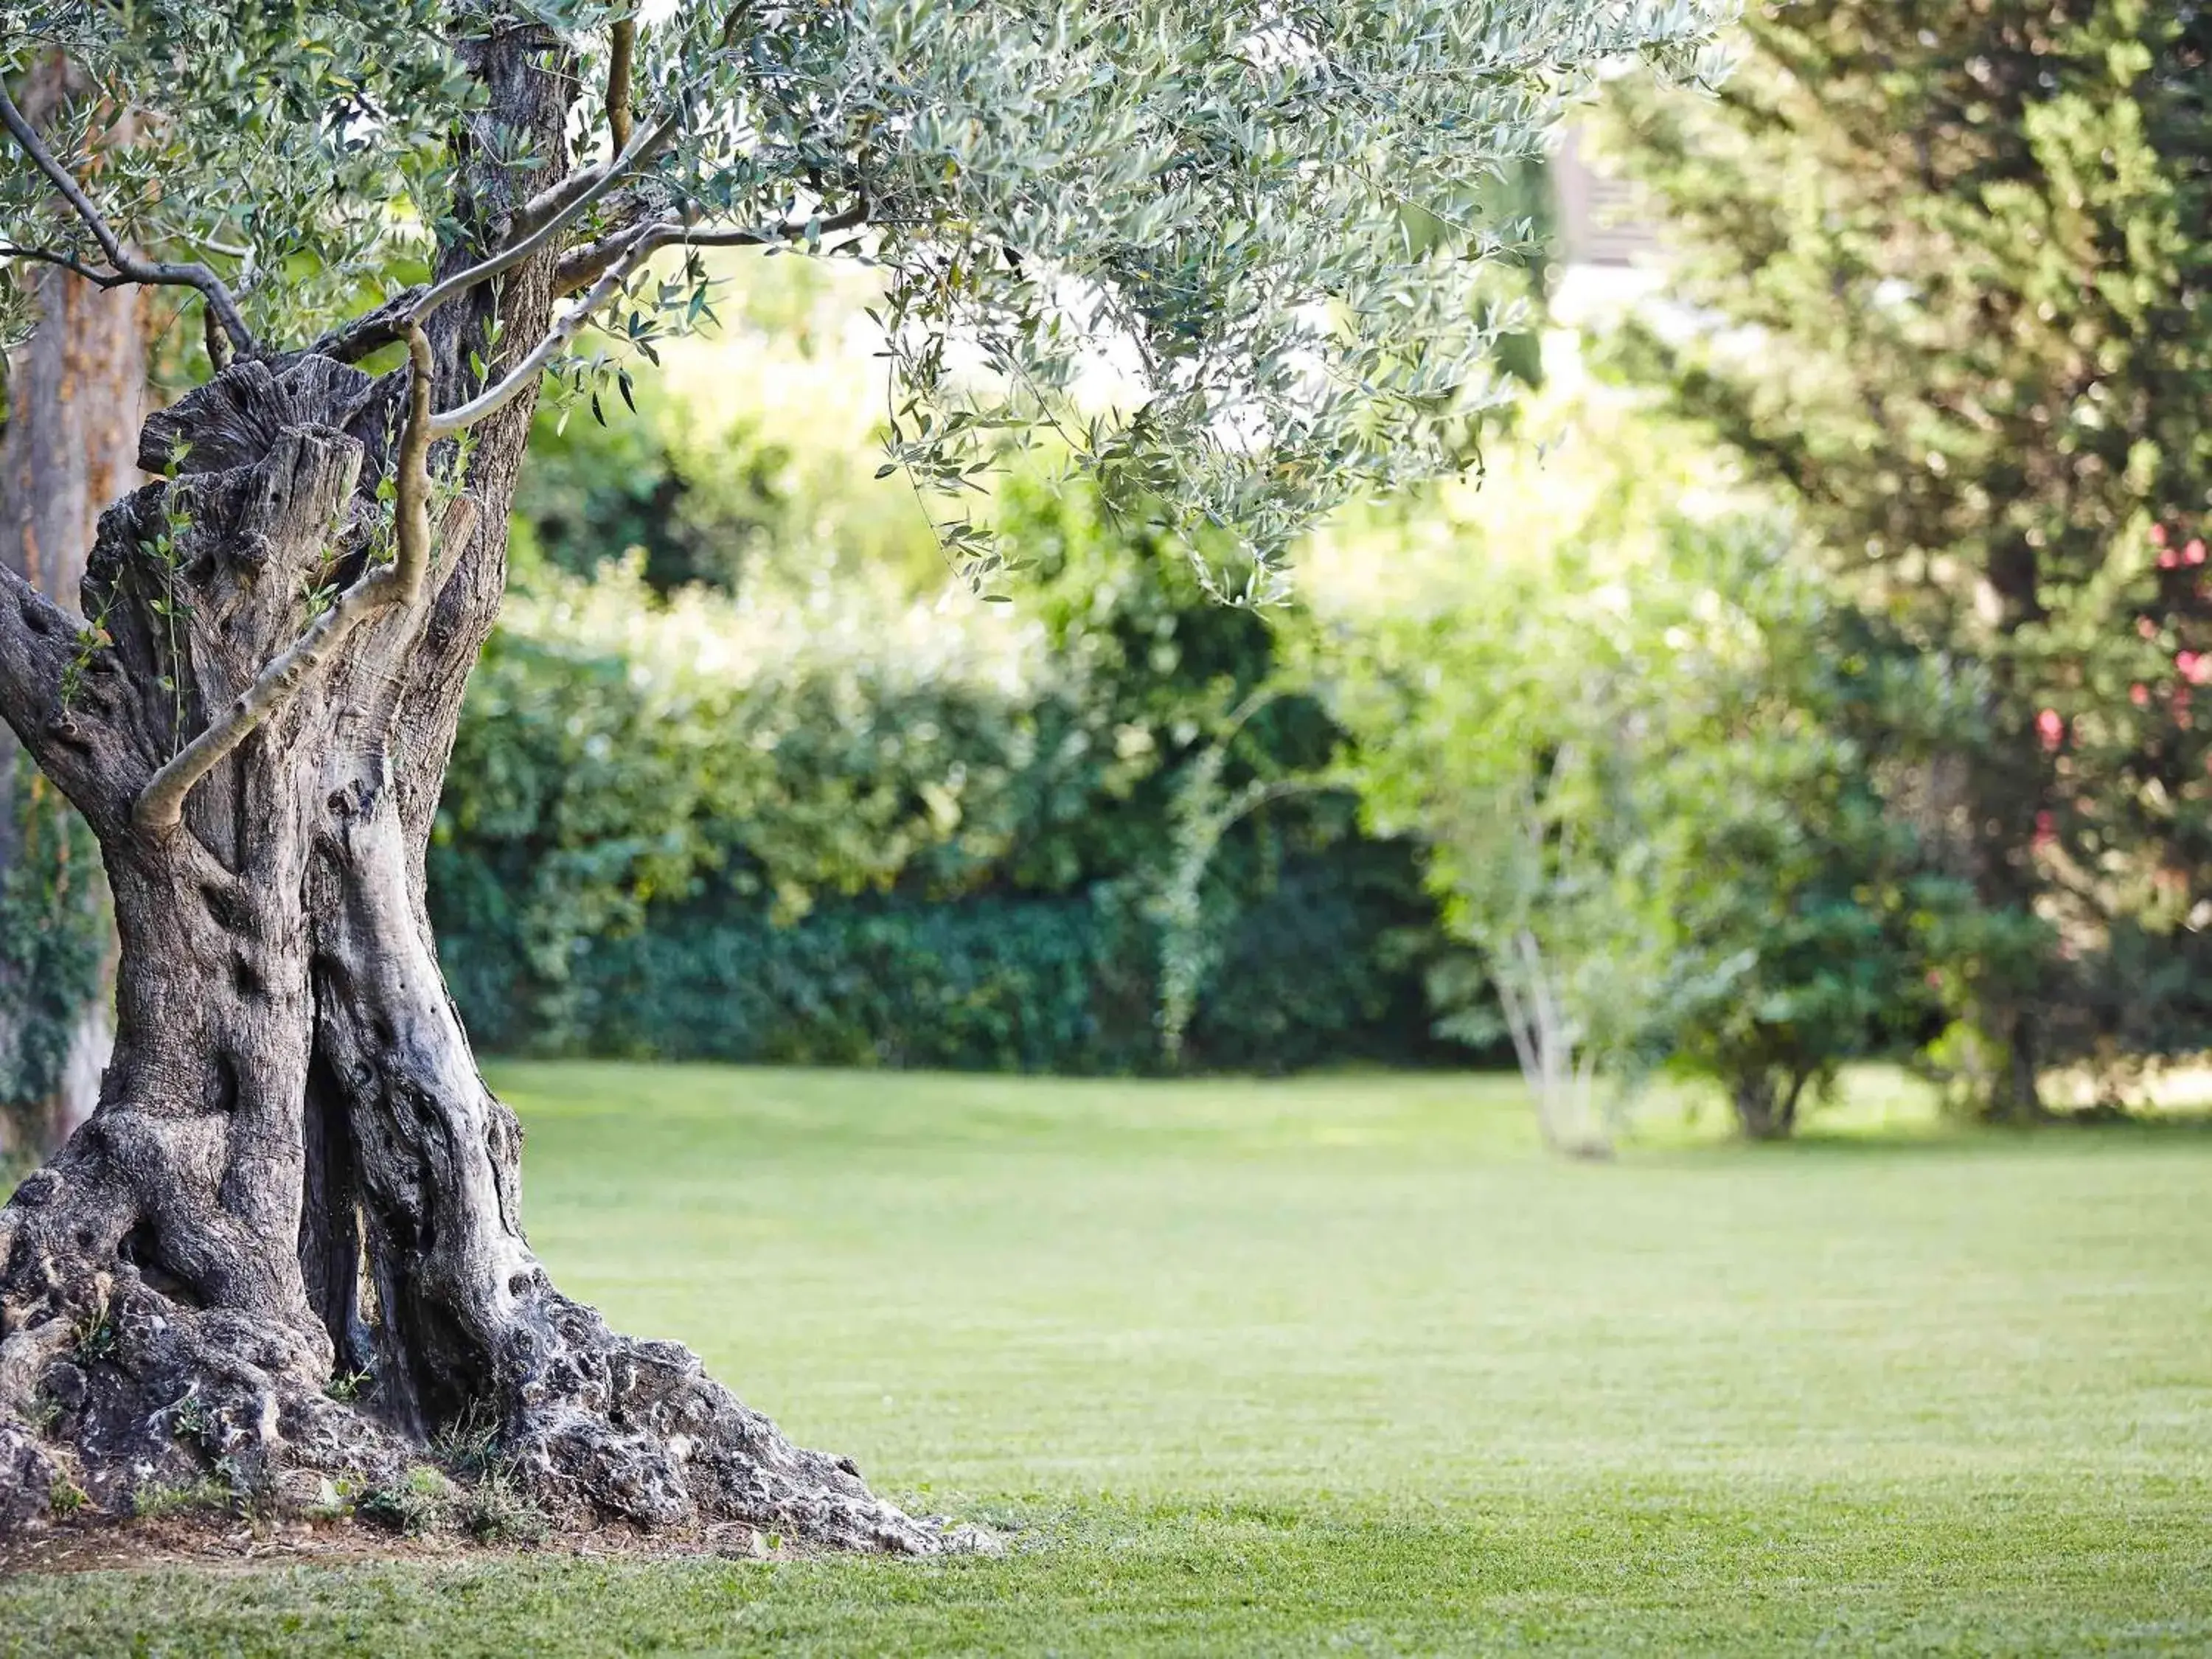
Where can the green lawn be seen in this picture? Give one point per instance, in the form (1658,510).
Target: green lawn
(1344,1365)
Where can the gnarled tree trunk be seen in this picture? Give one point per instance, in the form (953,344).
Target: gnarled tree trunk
(294,1175)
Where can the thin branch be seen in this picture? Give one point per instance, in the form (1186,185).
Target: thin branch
(556,201)
(74,266)
(410,560)
(567,205)
(220,351)
(552,204)
(580,265)
(622,47)
(524,375)
(371,331)
(127,267)
(399,584)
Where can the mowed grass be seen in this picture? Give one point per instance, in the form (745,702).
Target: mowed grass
(1347,1365)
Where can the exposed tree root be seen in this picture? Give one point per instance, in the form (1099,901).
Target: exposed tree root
(135,1407)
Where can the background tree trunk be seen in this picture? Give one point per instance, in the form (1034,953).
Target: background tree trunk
(76,394)
(1765,1100)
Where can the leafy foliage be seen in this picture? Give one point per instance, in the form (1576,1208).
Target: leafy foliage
(53,941)
(1805,919)
(299,149)
(837,827)
(1959,253)
(1675,795)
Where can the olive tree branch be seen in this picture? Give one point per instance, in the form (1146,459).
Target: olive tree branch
(371,331)
(399,584)
(621,48)
(544,217)
(75,266)
(580,265)
(559,203)
(128,268)
(524,375)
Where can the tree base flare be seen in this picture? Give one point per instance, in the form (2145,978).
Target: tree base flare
(139,1409)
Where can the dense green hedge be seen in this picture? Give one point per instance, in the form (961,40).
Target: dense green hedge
(840,827)
(1326,967)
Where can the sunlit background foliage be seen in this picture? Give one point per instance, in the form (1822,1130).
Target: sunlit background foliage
(1704,682)
(1793,665)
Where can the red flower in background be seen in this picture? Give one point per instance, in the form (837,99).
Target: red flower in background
(2050,728)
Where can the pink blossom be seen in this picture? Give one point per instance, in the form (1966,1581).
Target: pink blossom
(2158,535)
(2147,628)
(2194,553)
(2050,728)
(2046,830)
(2139,694)
(2168,560)
(2196,670)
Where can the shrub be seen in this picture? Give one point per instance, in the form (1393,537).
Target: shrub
(847,828)
(1670,804)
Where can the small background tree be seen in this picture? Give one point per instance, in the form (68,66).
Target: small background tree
(1670,785)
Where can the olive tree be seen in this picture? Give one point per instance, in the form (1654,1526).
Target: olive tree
(1220,252)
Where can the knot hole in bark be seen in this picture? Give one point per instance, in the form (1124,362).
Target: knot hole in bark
(226,907)
(141,1249)
(222,1085)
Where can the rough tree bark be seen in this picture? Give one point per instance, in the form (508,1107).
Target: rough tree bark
(294,1173)
(76,394)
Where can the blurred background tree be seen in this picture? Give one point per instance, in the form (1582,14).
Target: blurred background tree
(1948,277)
(71,397)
